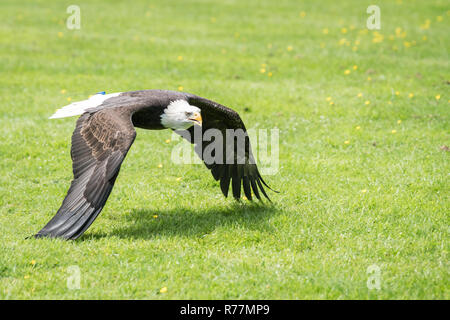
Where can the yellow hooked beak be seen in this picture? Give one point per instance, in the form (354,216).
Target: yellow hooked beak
(197,118)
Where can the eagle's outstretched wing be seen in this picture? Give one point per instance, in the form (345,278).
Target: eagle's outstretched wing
(241,172)
(100,142)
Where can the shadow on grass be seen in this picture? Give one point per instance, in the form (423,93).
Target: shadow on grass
(150,223)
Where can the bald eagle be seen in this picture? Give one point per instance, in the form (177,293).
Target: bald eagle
(105,132)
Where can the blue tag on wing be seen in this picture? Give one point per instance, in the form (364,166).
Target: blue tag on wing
(101,92)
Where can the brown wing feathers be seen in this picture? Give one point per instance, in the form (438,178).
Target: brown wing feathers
(245,175)
(99,145)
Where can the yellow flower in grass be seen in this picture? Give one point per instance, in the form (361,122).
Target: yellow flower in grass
(328,98)
(439,18)
(399,121)
(155,216)
(302,14)
(262,70)
(355,48)
(394,131)
(360,95)
(63,91)
(325,31)
(358,128)
(355,67)
(26,277)
(180,58)
(269,74)
(363,190)
(244,198)
(60,34)
(33,262)
(400,33)
(344,30)
(426,25)
(377,37)
(178,179)
(167,140)
(367,102)
(163,290)
(289,48)
(346,141)
(369,78)
(438,97)
(180,88)
(69,99)
(331,103)
(410,95)
(397,93)
(347,72)
(160,165)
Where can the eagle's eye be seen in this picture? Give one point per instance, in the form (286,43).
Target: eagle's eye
(188,114)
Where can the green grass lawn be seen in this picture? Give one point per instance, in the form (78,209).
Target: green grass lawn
(363,163)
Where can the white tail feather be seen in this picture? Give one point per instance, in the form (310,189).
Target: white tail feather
(79,107)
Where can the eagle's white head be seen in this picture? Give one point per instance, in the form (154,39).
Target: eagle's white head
(180,115)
